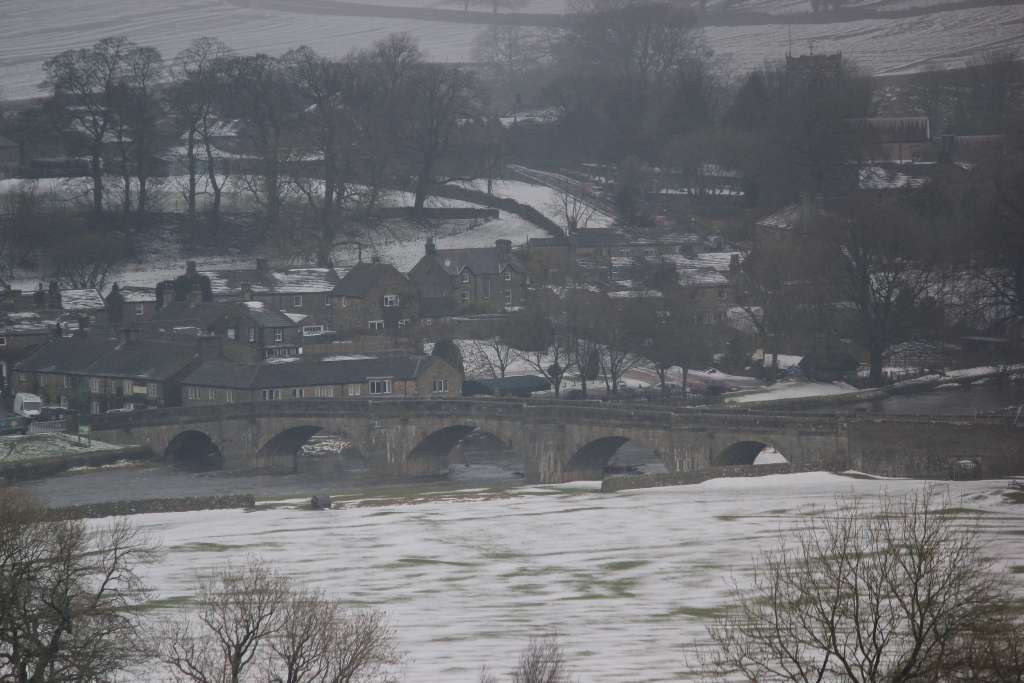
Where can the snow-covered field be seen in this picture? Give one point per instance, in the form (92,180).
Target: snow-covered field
(33,30)
(626,579)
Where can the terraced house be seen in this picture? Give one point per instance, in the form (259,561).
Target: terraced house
(481,279)
(393,376)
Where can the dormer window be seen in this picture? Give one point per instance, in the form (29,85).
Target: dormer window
(390,301)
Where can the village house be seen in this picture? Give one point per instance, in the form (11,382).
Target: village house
(301,291)
(482,279)
(333,377)
(126,305)
(269,331)
(373,298)
(95,374)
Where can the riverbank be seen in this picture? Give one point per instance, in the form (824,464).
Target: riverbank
(35,456)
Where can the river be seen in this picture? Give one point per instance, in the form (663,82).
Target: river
(951,400)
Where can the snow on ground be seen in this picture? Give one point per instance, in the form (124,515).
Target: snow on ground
(42,446)
(31,31)
(783,390)
(626,579)
(545,199)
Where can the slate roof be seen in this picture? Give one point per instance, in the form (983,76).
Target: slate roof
(598,238)
(304,373)
(263,315)
(481,261)
(108,357)
(363,277)
(547,242)
(225,283)
(516,384)
(184,314)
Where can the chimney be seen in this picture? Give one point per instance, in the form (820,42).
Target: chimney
(262,265)
(190,267)
(39,297)
(431,248)
(195,296)
(246,291)
(166,295)
(734,262)
(53,296)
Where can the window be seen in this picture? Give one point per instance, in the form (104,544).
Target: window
(252,335)
(487,289)
(271,394)
(297,301)
(323,392)
(507,275)
(67,381)
(212,394)
(344,302)
(380,386)
(465,296)
(278,335)
(94,408)
(465,278)
(390,301)
(312,330)
(428,322)
(229,396)
(325,300)
(192,393)
(296,393)
(354,389)
(139,389)
(232,333)
(94,385)
(376,325)
(404,322)
(3,340)
(153,390)
(440,386)
(508,297)
(140,309)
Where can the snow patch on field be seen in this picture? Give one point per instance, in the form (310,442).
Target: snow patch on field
(626,579)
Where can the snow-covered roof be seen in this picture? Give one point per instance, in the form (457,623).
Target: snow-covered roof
(138,295)
(879,178)
(636,294)
(701,277)
(719,260)
(81,300)
(303,280)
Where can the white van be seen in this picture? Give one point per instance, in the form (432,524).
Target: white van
(27,405)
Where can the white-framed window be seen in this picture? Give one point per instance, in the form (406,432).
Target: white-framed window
(297,301)
(325,300)
(404,322)
(3,340)
(94,385)
(508,297)
(212,394)
(390,301)
(344,302)
(487,289)
(153,390)
(312,330)
(140,309)
(127,387)
(376,325)
(380,386)
(440,386)
(324,392)
(428,322)
(229,395)
(94,408)
(278,334)
(297,393)
(271,394)
(232,333)
(465,278)
(465,296)
(192,393)
(354,389)
(252,335)
(507,275)
(67,381)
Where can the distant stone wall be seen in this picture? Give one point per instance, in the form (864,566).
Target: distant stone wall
(646,481)
(153,505)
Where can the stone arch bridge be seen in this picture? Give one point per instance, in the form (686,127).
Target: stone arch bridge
(562,440)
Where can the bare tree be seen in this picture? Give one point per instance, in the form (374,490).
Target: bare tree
(251,619)
(543,661)
(491,357)
(539,344)
(904,593)
(68,595)
(575,210)
(84,84)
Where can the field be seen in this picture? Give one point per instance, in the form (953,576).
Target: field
(33,30)
(626,579)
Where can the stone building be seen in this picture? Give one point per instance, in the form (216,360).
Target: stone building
(270,332)
(373,298)
(481,279)
(392,376)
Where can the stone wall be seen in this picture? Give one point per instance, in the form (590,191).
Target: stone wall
(44,467)
(153,505)
(645,481)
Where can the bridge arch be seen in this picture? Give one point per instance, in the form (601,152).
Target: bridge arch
(595,458)
(293,450)
(748,453)
(456,449)
(194,450)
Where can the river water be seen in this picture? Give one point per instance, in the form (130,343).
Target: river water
(969,400)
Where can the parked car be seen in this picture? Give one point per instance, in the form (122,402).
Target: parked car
(27,405)
(56,413)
